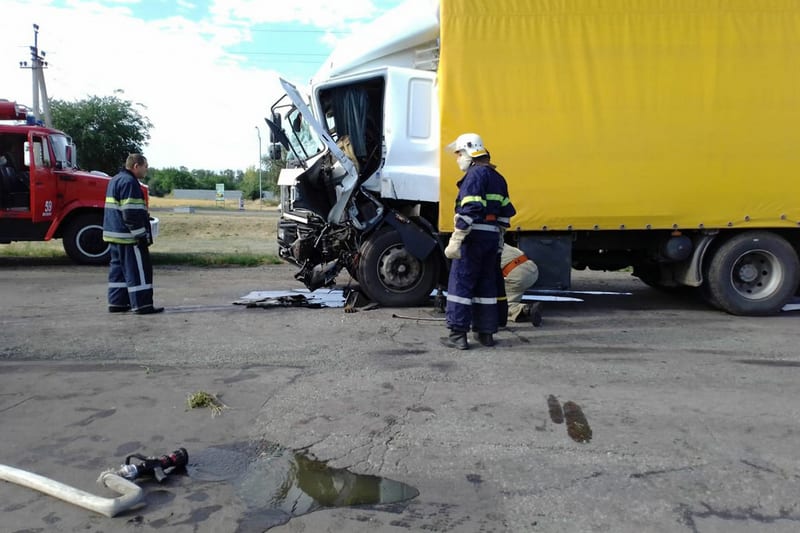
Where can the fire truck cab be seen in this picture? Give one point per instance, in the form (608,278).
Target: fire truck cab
(42,193)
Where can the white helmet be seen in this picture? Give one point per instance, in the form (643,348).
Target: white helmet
(470,143)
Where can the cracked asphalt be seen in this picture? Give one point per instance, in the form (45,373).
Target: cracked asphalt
(693,414)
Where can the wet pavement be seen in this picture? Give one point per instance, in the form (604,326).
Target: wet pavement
(683,418)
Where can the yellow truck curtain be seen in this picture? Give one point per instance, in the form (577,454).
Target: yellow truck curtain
(628,113)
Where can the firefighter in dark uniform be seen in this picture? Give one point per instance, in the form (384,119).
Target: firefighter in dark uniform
(126,227)
(483,213)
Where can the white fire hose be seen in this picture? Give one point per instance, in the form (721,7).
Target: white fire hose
(131,494)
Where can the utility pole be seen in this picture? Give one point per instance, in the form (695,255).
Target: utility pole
(260,194)
(37,66)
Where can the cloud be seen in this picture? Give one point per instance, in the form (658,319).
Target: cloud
(318,13)
(203,101)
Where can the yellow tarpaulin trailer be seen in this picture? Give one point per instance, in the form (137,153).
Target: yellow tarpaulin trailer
(656,135)
(628,114)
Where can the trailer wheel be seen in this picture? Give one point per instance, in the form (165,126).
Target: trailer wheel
(83,240)
(753,273)
(390,275)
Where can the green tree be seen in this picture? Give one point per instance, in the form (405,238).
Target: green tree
(272,170)
(163,180)
(105,129)
(158,182)
(249,183)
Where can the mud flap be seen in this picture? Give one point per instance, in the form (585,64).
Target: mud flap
(417,241)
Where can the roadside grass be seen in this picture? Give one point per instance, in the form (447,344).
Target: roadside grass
(212,259)
(166,202)
(209,237)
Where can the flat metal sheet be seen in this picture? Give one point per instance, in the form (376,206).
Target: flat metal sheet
(318,298)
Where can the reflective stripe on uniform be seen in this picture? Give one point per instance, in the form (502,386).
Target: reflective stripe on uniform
(469,301)
(459,299)
(140,288)
(465,218)
(140,266)
(504,200)
(468,199)
(485,227)
(117,235)
(132,202)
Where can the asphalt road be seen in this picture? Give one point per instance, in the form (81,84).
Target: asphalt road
(693,413)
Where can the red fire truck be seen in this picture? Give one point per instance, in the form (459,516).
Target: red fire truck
(42,193)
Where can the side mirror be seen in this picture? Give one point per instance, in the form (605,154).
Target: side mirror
(26,154)
(274,152)
(276,119)
(72,156)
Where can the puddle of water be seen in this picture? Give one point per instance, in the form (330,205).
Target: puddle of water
(277,483)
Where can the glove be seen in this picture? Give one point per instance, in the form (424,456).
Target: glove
(453,250)
(502,241)
(145,240)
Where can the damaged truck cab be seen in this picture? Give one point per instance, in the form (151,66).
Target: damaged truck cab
(363,195)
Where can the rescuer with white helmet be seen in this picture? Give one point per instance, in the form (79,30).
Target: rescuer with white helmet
(483,211)
(467,147)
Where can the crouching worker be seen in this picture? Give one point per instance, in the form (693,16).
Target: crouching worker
(520,273)
(126,227)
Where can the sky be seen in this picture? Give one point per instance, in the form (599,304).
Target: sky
(205,72)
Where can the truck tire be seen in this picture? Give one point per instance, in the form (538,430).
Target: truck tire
(390,275)
(83,240)
(753,273)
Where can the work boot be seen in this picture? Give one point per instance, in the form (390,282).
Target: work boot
(535,314)
(457,340)
(149,310)
(486,339)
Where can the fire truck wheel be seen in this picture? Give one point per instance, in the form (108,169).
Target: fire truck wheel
(83,240)
(390,275)
(753,273)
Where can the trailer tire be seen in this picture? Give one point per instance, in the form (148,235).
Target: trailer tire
(83,240)
(390,275)
(753,273)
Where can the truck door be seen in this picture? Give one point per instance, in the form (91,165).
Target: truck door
(43,185)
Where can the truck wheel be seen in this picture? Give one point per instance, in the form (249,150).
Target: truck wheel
(83,240)
(753,273)
(390,275)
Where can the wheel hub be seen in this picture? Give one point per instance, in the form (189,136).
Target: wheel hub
(757,274)
(748,273)
(398,269)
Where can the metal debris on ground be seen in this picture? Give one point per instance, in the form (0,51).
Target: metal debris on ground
(428,319)
(793,305)
(357,301)
(292,298)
